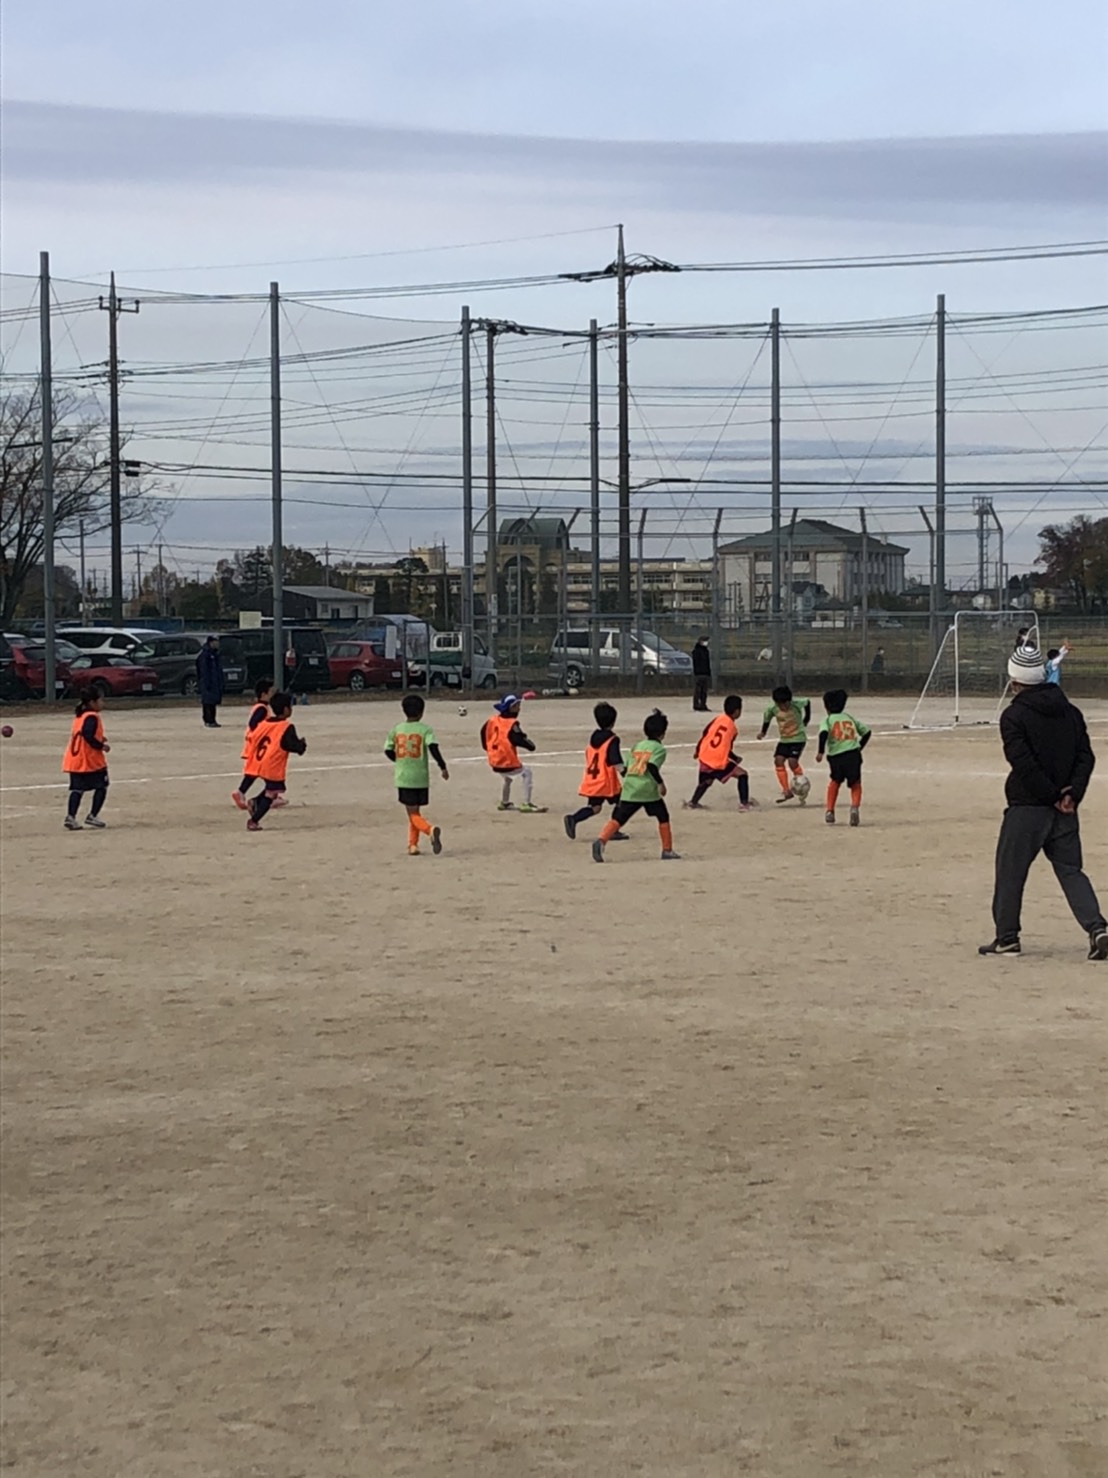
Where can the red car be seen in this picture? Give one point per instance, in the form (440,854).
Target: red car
(27,666)
(362,664)
(111,676)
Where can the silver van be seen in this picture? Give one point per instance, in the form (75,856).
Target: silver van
(571,655)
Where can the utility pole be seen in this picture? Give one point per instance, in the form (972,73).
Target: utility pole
(492,570)
(46,396)
(790,600)
(717,602)
(594,496)
(639,606)
(277,557)
(467,503)
(865,602)
(327,565)
(138,578)
(161,583)
(938,587)
(84,582)
(113,307)
(775,489)
(1001,592)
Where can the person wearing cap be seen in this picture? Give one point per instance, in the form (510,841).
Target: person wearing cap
(502,739)
(1047,747)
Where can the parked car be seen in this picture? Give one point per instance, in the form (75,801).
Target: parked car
(173,658)
(256,645)
(23,666)
(571,655)
(121,639)
(362,664)
(111,676)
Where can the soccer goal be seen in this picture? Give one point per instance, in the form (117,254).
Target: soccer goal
(968,681)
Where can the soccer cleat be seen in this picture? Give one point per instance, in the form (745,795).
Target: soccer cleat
(855,818)
(1000,947)
(95,823)
(413,851)
(620,836)
(598,851)
(1098,944)
(691,806)
(436,839)
(829,817)
(278,800)
(72,824)
(239,799)
(253,825)
(671,856)
(529,810)
(783,800)
(748,806)
(505,806)
(570,825)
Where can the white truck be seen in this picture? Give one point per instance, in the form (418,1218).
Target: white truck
(435,657)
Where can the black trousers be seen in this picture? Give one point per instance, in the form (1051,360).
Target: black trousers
(700,694)
(209,712)
(1024,833)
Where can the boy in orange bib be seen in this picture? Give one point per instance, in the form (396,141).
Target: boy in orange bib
(719,763)
(263,692)
(502,739)
(274,740)
(600,784)
(86,765)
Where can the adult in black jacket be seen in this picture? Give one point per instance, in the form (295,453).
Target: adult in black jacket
(1047,746)
(209,678)
(702,674)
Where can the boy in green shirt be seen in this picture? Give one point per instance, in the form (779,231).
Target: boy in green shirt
(408,746)
(643,788)
(792,716)
(842,738)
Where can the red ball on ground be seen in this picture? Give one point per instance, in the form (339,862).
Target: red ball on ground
(7,731)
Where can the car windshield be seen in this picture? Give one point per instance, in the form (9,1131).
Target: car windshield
(655,643)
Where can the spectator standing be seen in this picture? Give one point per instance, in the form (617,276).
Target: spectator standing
(209,678)
(877,666)
(702,674)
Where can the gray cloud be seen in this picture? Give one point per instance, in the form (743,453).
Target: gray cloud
(973,179)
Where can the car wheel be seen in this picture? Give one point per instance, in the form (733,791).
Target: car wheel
(575,676)
(650,672)
(489,681)
(357,682)
(190,686)
(438,680)
(100,689)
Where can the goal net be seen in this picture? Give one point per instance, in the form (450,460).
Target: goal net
(968,681)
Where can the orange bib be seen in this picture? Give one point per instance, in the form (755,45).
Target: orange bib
(600,778)
(498,746)
(251,733)
(80,758)
(716,742)
(267,759)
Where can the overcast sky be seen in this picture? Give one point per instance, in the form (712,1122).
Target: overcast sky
(166,139)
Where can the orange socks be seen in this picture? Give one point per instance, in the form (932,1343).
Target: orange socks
(413,833)
(833,788)
(665,831)
(798,768)
(856,794)
(782,776)
(417,825)
(609,831)
(421,824)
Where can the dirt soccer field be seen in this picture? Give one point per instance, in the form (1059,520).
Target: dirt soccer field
(320,1160)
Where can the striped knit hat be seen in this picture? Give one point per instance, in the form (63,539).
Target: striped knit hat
(1026,666)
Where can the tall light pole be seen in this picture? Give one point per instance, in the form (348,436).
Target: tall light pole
(114,307)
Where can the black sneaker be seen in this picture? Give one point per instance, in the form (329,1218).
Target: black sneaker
(1098,944)
(570,824)
(1000,947)
(436,840)
(598,851)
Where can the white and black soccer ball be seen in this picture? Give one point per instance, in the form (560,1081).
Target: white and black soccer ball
(462,710)
(801,787)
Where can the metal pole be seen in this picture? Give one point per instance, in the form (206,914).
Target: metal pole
(114,469)
(624,542)
(714,633)
(1001,592)
(789,602)
(775,488)
(594,495)
(46,396)
(938,589)
(638,608)
(84,582)
(138,578)
(467,505)
(277,554)
(492,573)
(865,602)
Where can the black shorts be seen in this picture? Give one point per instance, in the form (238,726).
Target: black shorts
(788,751)
(413,795)
(846,768)
(274,787)
(626,809)
(599,800)
(85,780)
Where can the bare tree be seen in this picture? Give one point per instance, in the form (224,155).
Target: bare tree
(81,482)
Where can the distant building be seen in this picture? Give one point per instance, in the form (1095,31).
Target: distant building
(824,555)
(324,603)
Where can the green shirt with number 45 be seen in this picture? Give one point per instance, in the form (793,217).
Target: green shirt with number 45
(843,733)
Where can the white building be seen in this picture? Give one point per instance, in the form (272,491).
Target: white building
(823,555)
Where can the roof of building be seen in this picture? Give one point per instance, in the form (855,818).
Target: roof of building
(533,530)
(324,592)
(814,533)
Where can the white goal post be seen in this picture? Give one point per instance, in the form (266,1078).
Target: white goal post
(968,681)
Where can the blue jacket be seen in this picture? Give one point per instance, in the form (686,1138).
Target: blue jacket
(209,675)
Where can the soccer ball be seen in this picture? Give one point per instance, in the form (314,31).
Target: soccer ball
(801,787)
(462,711)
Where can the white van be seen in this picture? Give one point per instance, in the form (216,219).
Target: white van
(571,655)
(121,641)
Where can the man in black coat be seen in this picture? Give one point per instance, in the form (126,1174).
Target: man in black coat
(209,678)
(1047,746)
(702,674)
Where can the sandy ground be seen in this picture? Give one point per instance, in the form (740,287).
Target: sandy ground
(320,1160)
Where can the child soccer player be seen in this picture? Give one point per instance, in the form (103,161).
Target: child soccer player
(502,739)
(263,692)
(603,767)
(408,747)
(1054,659)
(274,740)
(719,763)
(843,738)
(643,788)
(792,716)
(85,764)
